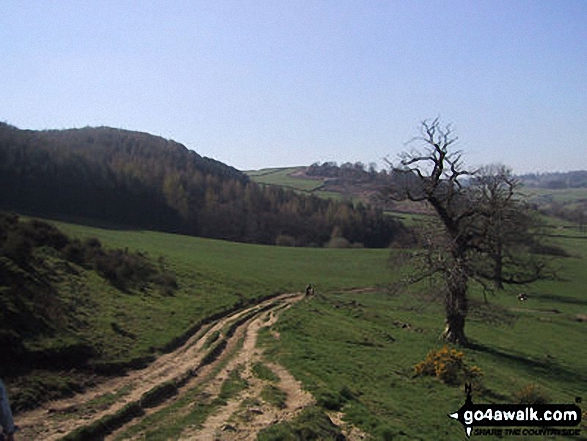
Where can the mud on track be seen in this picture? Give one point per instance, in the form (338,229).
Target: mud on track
(114,409)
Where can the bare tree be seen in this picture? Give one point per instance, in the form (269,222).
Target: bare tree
(483,226)
(495,188)
(434,175)
(509,228)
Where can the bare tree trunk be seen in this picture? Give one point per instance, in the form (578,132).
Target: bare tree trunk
(454,331)
(498,268)
(456,306)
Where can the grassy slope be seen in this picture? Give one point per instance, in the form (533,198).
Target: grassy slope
(252,270)
(281,177)
(353,348)
(213,276)
(563,195)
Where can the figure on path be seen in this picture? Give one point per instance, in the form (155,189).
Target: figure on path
(6,420)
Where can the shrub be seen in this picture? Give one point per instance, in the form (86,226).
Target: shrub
(531,394)
(283,240)
(448,365)
(338,242)
(43,234)
(74,252)
(18,248)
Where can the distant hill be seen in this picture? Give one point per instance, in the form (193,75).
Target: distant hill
(555,180)
(134,179)
(347,182)
(560,194)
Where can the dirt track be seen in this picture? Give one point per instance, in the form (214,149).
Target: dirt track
(188,367)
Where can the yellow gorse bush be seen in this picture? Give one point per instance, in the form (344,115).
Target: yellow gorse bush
(448,365)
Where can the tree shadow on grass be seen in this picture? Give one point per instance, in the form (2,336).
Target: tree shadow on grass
(547,367)
(561,299)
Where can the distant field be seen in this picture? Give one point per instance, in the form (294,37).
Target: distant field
(563,194)
(281,177)
(570,197)
(252,270)
(409,219)
(265,171)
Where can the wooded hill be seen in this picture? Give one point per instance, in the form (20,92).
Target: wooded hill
(134,179)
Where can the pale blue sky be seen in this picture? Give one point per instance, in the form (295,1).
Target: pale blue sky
(277,83)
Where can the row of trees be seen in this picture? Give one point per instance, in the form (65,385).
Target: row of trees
(482,230)
(574,212)
(357,171)
(556,180)
(135,179)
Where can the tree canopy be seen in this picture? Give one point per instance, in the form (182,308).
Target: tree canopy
(135,179)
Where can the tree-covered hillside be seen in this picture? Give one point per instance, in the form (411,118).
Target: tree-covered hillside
(140,180)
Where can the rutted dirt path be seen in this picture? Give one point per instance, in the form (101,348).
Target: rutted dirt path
(204,363)
(246,414)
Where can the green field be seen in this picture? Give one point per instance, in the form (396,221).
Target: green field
(282,178)
(213,276)
(563,195)
(252,270)
(355,350)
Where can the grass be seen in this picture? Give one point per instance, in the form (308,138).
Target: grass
(274,396)
(211,339)
(212,268)
(352,353)
(562,195)
(233,385)
(264,373)
(283,178)
(356,352)
(311,424)
(408,219)
(214,277)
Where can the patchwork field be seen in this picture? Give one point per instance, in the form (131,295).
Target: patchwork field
(283,177)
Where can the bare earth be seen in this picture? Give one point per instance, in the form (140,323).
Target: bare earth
(241,418)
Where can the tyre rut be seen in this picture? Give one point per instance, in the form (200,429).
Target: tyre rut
(89,415)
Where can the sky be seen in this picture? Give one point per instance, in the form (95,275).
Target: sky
(259,84)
